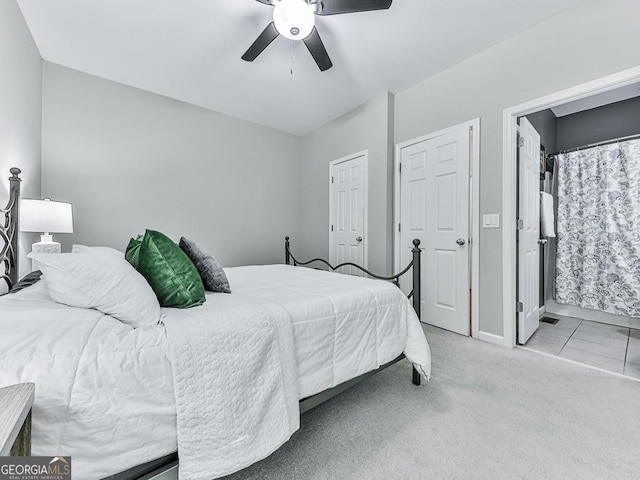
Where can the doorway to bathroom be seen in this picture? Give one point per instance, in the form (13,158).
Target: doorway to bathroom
(554,315)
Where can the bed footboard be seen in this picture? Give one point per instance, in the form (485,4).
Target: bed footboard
(413,265)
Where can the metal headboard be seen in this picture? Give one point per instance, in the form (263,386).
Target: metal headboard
(9,231)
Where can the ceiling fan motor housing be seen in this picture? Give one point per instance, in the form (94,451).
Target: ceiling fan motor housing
(294,19)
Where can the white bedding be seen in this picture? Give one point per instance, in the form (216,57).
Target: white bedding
(235,383)
(95,378)
(101,379)
(343,325)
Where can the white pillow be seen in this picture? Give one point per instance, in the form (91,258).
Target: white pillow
(97,250)
(104,282)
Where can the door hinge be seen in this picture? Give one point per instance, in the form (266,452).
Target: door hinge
(520,224)
(332,228)
(519,307)
(520,141)
(400,166)
(399,227)
(331,179)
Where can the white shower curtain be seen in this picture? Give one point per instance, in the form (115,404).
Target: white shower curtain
(598,223)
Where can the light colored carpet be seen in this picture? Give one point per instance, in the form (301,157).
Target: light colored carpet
(488,413)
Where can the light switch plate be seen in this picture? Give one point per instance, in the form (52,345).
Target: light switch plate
(491,220)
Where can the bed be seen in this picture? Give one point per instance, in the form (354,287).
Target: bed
(223,384)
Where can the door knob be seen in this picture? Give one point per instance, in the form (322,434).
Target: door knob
(542,241)
(358,239)
(461,241)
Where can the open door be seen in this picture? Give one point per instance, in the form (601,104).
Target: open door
(528,231)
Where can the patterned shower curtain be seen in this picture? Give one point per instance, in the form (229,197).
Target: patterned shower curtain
(598,220)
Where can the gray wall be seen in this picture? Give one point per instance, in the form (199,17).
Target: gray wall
(20,110)
(130,160)
(368,127)
(616,120)
(117,151)
(512,72)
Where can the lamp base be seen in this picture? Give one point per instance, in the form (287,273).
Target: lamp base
(46,247)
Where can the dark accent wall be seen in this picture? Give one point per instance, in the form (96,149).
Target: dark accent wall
(600,124)
(546,124)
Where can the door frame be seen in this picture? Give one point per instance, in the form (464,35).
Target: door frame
(365,205)
(474,209)
(509,180)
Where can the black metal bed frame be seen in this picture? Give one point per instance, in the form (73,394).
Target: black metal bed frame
(9,228)
(414,265)
(149,470)
(9,231)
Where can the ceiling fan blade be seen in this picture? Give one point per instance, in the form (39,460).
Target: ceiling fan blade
(266,2)
(318,52)
(267,36)
(336,7)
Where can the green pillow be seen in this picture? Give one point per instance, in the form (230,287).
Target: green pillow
(132,254)
(169,271)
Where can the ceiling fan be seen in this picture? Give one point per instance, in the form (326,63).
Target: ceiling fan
(295,20)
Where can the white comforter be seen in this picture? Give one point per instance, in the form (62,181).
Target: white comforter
(96,378)
(343,325)
(99,379)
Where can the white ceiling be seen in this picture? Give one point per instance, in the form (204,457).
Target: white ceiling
(190,50)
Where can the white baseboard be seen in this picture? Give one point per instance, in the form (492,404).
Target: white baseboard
(491,338)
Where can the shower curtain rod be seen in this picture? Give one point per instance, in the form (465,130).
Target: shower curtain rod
(599,144)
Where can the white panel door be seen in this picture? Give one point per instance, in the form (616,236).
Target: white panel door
(528,231)
(348,212)
(434,207)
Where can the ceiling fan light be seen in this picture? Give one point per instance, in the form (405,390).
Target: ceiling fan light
(294,19)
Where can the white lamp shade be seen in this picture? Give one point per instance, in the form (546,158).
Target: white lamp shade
(45,216)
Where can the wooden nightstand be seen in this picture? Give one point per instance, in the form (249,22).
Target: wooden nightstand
(15,419)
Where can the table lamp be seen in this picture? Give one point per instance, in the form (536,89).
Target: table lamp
(45,216)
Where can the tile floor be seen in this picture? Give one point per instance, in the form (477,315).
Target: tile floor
(612,348)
